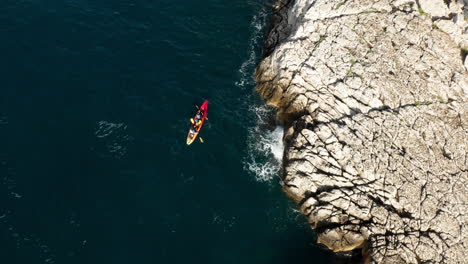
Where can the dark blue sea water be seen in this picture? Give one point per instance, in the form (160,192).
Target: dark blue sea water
(95,101)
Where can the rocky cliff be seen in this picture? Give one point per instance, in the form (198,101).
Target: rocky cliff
(373,94)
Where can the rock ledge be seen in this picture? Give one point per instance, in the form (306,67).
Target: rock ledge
(374,98)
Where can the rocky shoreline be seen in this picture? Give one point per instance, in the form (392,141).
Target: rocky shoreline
(373,95)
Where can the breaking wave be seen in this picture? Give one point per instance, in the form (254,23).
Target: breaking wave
(265,138)
(265,146)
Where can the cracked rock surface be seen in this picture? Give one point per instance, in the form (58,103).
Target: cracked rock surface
(374,99)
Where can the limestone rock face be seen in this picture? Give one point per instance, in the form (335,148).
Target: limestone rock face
(373,94)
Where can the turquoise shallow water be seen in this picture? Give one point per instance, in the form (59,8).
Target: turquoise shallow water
(94,106)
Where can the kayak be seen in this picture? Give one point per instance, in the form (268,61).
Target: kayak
(194,129)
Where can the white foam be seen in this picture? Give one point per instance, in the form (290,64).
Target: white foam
(226,222)
(257,26)
(106,128)
(115,135)
(25,240)
(265,153)
(265,141)
(265,146)
(276,143)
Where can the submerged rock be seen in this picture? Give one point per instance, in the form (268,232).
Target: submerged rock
(373,94)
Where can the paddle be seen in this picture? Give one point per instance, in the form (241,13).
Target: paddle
(201,140)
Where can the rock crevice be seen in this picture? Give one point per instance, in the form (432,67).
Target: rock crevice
(374,98)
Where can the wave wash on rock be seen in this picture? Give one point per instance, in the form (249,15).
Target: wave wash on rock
(374,99)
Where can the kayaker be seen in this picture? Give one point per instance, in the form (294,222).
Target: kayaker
(197,121)
(197,125)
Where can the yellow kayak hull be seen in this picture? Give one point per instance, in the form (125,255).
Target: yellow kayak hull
(191,139)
